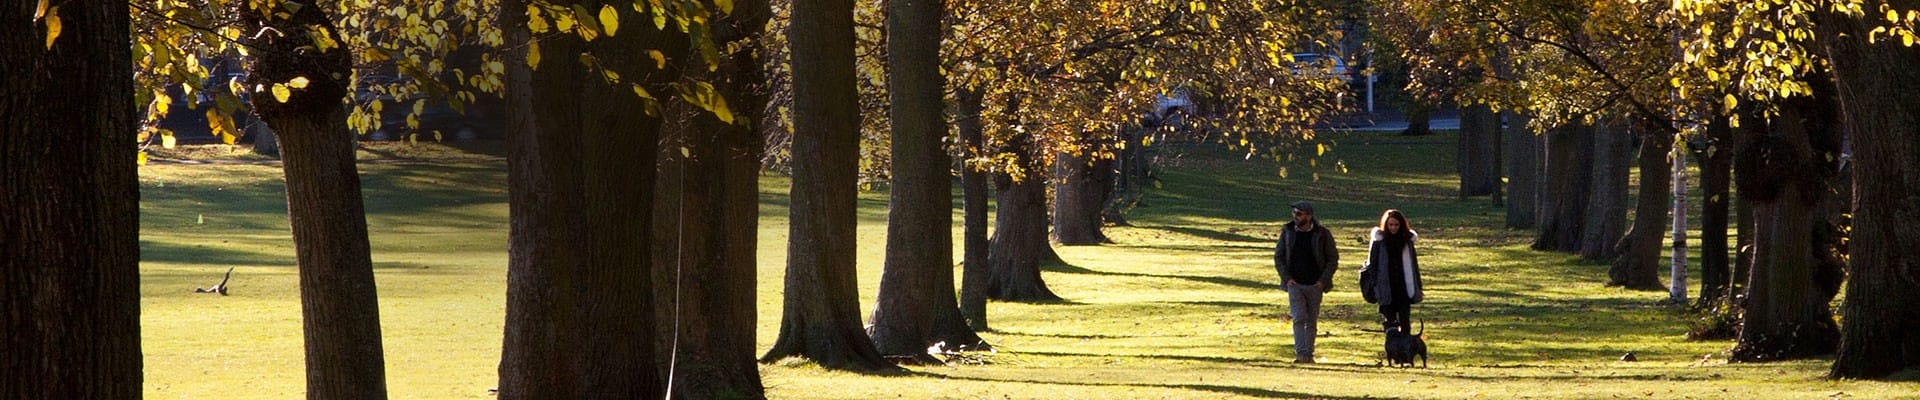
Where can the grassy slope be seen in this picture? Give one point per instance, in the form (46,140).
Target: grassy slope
(1183,306)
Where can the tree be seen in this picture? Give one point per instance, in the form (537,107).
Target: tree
(976,275)
(1877,306)
(67,173)
(1475,158)
(1523,163)
(1569,152)
(1638,265)
(1083,189)
(307,73)
(1781,172)
(580,310)
(1716,183)
(707,216)
(916,287)
(821,317)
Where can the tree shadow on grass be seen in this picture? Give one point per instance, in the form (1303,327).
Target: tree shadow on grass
(1221,389)
(1217,280)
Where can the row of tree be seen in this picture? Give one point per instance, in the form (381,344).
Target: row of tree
(1797,104)
(637,130)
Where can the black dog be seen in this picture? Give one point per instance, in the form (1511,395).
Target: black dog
(1402,346)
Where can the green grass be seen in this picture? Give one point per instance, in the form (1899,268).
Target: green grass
(1182,306)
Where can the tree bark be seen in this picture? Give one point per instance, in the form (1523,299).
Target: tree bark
(581,170)
(69,207)
(706,223)
(1716,176)
(976,276)
(821,320)
(1638,265)
(1607,206)
(1080,196)
(920,216)
(1132,174)
(1568,174)
(1475,160)
(1786,315)
(339,303)
(1877,86)
(1419,120)
(1523,150)
(1019,244)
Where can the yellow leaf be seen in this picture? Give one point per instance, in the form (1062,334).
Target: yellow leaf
(659,59)
(281,92)
(1732,101)
(1905,39)
(140,158)
(53,25)
(533,54)
(298,82)
(166,140)
(609,19)
(40,11)
(726,6)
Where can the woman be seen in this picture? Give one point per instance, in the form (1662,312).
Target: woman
(1391,276)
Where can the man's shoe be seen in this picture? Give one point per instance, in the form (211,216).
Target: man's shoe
(1303,360)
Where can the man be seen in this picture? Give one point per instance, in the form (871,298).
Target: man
(1305,257)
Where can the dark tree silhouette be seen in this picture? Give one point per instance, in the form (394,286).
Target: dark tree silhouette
(707,223)
(70,296)
(581,170)
(1524,171)
(1781,172)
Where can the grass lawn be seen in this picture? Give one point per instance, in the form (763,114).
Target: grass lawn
(1183,306)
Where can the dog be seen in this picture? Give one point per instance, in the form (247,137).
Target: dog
(1402,346)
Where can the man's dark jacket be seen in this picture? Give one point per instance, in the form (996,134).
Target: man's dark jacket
(1326,254)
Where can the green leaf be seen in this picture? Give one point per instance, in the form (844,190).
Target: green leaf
(609,19)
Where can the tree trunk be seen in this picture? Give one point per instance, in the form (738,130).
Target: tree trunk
(1132,175)
(1080,196)
(1716,175)
(1638,265)
(1477,165)
(1877,86)
(545,252)
(1607,207)
(976,276)
(264,141)
(1786,315)
(821,320)
(920,207)
(1568,174)
(1523,173)
(339,303)
(706,224)
(1678,283)
(69,208)
(1419,119)
(1019,243)
(581,171)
